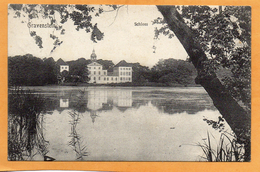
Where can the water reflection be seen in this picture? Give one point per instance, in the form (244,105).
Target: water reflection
(124,124)
(77,143)
(25,126)
(96,100)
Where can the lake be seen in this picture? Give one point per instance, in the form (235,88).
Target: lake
(125,124)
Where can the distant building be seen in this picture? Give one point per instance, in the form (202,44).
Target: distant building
(121,72)
(124,71)
(63,66)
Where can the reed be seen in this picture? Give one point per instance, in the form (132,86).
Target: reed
(25,125)
(76,142)
(228,150)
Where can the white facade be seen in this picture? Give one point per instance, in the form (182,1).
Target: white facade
(125,74)
(122,72)
(64,67)
(100,76)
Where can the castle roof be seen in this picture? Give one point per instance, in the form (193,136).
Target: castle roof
(61,62)
(123,63)
(94,64)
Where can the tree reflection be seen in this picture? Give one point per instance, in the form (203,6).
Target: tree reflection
(76,141)
(176,106)
(25,130)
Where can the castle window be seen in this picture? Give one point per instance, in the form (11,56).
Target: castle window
(116,79)
(104,79)
(99,72)
(104,73)
(107,78)
(112,78)
(99,68)
(94,67)
(98,78)
(94,72)
(94,78)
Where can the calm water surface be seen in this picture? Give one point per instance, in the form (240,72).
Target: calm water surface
(126,124)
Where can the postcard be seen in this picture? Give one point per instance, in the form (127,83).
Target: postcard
(123,86)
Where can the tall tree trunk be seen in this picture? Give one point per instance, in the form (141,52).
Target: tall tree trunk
(237,117)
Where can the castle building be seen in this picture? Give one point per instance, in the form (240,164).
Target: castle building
(120,73)
(63,66)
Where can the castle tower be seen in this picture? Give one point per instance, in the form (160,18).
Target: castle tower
(93,56)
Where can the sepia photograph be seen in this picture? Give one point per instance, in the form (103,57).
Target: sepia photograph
(129,83)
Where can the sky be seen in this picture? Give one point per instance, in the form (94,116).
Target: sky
(122,39)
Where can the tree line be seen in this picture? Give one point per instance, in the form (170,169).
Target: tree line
(28,70)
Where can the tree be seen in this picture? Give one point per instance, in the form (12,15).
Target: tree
(173,71)
(25,70)
(50,72)
(28,70)
(140,73)
(237,117)
(78,70)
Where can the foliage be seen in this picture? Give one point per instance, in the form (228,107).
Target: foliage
(50,71)
(217,125)
(29,70)
(140,73)
(173,71)
(227,150)
(78,71)
(107,64)
(58,15)
(225,36)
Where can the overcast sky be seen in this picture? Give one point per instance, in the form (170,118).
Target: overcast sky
(122,41)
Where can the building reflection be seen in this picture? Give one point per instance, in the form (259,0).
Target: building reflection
(123,98)
(93,115)
(64,103)
(93,101)
(96,100)
(103,100)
